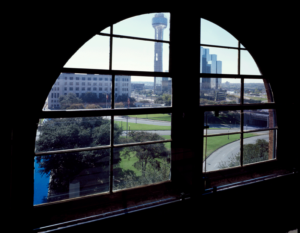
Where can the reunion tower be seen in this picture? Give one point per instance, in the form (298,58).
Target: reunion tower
(159,23)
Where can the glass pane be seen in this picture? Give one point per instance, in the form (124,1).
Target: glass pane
(259,119)
(94,54)
(141,165)
(150,26)
(242,46)
(219,91)
(142,92)
(256,91)
(106,30)
(260,147)
(142,128)
(218,61)
(70,175)
(140,55)
(248,65)
(221,152)
(225,122)
(79,91)
(70,133)
(215,35)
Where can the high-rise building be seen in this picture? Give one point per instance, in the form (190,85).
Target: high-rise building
(210,88)
(210,65)
(159,23)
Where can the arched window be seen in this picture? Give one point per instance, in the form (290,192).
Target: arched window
(141,132)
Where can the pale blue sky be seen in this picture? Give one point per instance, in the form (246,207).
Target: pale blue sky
(139,55)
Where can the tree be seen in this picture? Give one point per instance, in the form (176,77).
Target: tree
(92,106)
(252,153)
(76,106)
(124,99)
(66,101)
(119,105)
(152,160)
(89,97)
(72,133)
(164,99)
(147,154)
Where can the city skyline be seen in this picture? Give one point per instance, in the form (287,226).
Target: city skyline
(138,55)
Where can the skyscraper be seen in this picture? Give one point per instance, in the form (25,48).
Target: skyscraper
(210,88)
(159,23)
(210,65)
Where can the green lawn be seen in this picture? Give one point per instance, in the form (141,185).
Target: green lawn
(213,143)
(159,117)
(128,164)
(134,126)
(258,98)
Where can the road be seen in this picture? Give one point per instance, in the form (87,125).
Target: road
(223,153)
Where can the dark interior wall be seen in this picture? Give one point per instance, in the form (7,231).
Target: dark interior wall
(46,37)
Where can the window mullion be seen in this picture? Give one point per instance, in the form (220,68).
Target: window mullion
(111,154)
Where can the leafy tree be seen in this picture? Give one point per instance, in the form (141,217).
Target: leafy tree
(89,97)
(124,99)
(252,153)
(72,133)
(144,101)
(92,106)
(119,105)
(76,106)
(128,179)
(147,154)
(66,101)
(164,99)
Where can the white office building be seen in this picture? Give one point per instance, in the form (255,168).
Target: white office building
(83,83)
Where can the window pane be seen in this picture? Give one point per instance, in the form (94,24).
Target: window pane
(219,91)
(89,92)
(106,30)
(248,65)
(215,35)
(94,54)
(259,119)
(218,61)
(227,121)
(138,55)
(70,133)
(150,26)
(142,92)
(70,175)
(242,46)
(256,91)
(221,152)
(141,165)
(142,128)
(260,147)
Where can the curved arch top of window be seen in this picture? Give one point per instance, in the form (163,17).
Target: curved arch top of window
(149,26)
(248,65)
(215,35)
(106,30)
(94,54)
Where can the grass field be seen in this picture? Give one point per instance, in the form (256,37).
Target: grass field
(213,143)
(258,98)
(134,126)
(159,117)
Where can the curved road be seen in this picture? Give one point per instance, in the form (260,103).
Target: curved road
(223,153)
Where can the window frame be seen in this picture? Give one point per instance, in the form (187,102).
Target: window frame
(179,114)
